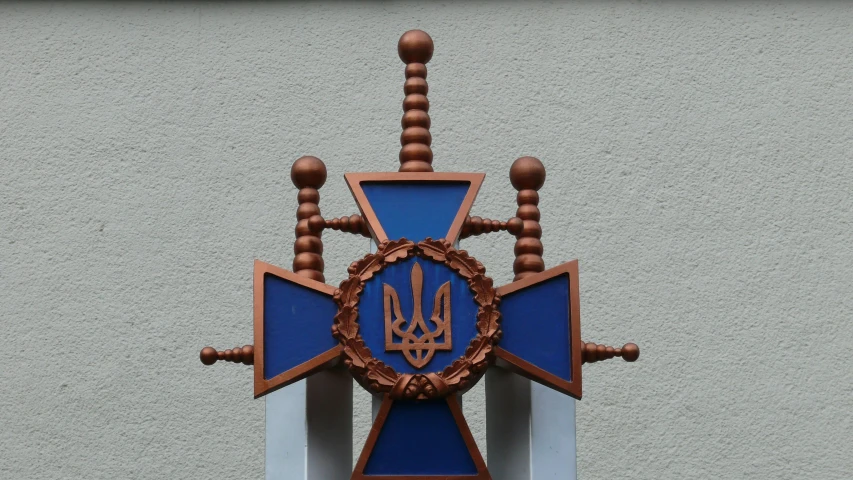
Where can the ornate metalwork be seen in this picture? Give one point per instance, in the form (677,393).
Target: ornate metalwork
(348,224)
(478,226)
(308,175)
(244,355)
(415,49)
(527,175)
(592,352)
(418,349)
(419,338)
(379,377)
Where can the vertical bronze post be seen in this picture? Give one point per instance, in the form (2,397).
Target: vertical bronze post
(415,49)
(308,175)
(527,175)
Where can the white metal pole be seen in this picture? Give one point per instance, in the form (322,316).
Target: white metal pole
(309,428)
(530,429)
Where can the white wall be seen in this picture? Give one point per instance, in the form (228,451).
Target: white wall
(699,166)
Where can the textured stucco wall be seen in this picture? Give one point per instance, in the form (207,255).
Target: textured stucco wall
(699,166)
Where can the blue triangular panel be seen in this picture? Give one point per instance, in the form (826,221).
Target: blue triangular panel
(416,210)
(297,324)
(535,324)
(420,438)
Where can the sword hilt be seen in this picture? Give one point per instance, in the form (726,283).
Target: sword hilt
(527,175)
(244,355)
(592,352)
(308,175)
(415,49)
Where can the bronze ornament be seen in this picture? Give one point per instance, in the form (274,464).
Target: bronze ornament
(418,343)
(349,224)
(415,49)
(244,355)
(592,352)
(380,378)
(308,175)
(527,176)
(425,345)
(478,226)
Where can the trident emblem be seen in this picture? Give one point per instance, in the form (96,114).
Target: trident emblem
(418,349)
(303,326)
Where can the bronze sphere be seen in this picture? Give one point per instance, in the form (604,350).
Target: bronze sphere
(527,173)
(415,46)
(308,172)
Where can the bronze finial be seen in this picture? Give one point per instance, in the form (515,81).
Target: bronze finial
(415,49)
(244,355)
(419,359)
(527,175)
(308,175)
(477,226)
(592,352)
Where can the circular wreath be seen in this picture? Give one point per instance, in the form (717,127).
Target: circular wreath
(373,373)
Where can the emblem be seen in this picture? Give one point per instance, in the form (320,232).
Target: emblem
(355,323)
(418,349)
(418,321)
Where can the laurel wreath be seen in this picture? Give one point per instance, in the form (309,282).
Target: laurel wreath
(380,378)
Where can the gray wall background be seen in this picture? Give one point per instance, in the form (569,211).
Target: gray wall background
(699,166)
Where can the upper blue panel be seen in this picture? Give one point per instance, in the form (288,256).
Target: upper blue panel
(535,324)
(420,438)
(371,312)
(415,210)
(297,324)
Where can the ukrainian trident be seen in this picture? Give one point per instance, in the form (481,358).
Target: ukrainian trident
(417,340)
(418,321)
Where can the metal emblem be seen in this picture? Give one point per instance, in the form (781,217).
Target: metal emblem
(418,349)
(415,217)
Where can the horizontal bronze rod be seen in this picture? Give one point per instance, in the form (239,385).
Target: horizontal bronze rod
(478,226)
(592,352)
(244,355)
(349,224)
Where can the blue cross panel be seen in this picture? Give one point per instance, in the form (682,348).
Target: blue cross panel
(539,333)
(297,324)
(293,324)
(417,439)
(416,210)
(415,206)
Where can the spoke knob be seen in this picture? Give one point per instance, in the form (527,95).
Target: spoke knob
(244,355)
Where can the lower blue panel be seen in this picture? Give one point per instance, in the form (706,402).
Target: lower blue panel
(535,324)
(420,438)
(297,324)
